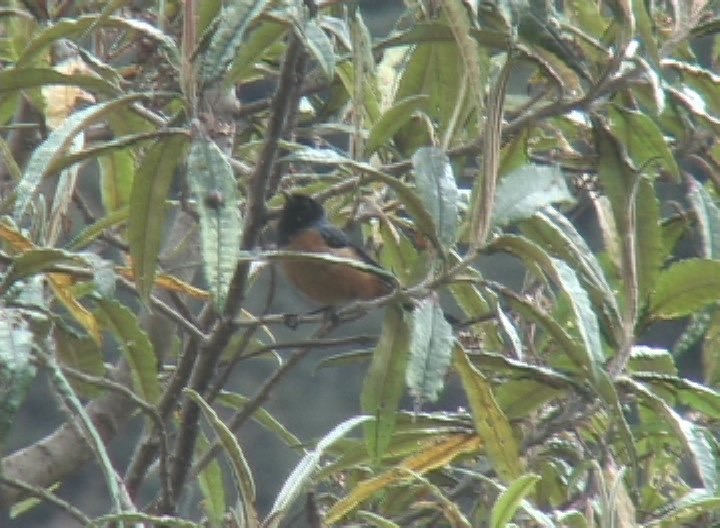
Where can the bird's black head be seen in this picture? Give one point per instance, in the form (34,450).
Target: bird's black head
(300,212)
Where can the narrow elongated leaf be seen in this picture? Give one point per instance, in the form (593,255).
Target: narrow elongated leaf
(319,45)
(117,171)
(212,487)
(135,345)
(385,381)
(510,500)
(88,235)
(438,452)
(430,352)
(684,288)
(259,40)
(437,189)
(147,211)
(236,457)
(642,138)
(80,353)
(56,144)
(692,436)
(75,27)
(584,316)
(392,120)
(490,421)
(213,186)
(305,469)
(229,35)
(35,261)
(648,238)
(708,218)
(22,79)
(526,191)
(688,509)
(553,231)
(436,70)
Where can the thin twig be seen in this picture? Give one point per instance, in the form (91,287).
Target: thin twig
(262,394)
(204,367)
(45,495)
(145,407)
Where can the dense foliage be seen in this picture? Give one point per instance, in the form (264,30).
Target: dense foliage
(142,170)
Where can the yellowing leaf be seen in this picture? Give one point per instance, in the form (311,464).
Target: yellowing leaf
(60,101)
(437,454)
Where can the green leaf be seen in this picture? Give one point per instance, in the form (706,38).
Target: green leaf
(435,70)
(490,421)
(648,238)
(708,218)
(135,346)
(214,189)
(117,170)
(38,260)
(437,189)
(642,139)
(146,218)
(392,120)
(236,457)
(693,437)
(553,231)
(385,381)
(688,393)
(76,27)
(254,48)
(430,351)
(527,190)
(212,487)
(23,78)
(518,399)
(56,144)
(510,499)
(648,359)
(303,472)
(80,353)
(616,175)
(88,235)
(319,45)
(684,288)
(696,504)
(229,35)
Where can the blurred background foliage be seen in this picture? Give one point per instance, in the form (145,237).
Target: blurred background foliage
(541,177)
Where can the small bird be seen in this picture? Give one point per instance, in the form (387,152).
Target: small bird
(304,226)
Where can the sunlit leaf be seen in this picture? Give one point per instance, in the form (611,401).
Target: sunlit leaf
(509,500)
(684,288)
(527,190)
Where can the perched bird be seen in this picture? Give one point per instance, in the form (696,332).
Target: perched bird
(304,226)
